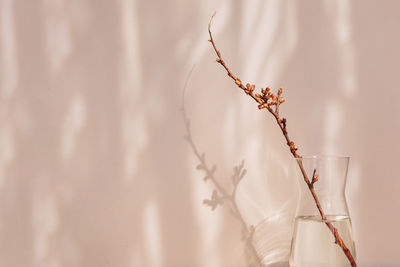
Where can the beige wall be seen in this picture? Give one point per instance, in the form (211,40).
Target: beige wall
(93,167)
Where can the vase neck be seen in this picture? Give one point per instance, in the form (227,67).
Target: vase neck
(329,188)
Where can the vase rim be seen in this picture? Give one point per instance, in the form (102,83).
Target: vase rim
(324,157)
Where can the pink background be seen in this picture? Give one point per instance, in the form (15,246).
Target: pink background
(93,167)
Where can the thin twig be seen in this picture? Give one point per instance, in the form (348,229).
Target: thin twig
(267,101)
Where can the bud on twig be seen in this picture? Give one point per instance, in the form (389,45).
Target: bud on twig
(293,147)
(314,178)
(262,106)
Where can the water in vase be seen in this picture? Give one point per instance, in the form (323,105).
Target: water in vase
(313,244)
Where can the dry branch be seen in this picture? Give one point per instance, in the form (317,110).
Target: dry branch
(268,100)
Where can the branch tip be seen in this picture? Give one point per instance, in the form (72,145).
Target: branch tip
(209,24)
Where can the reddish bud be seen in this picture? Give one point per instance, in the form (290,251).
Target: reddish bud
(258,95)
(219,60)
(252,87)
(281,100)
(248,86)
(238,82)
(280,91)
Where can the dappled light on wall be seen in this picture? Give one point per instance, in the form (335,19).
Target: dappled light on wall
(95,164)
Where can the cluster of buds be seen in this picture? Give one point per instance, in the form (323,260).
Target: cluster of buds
(293,147)
(265,94)
(268,99)
(249,88)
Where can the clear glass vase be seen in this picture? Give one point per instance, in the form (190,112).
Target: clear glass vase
(322,229)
